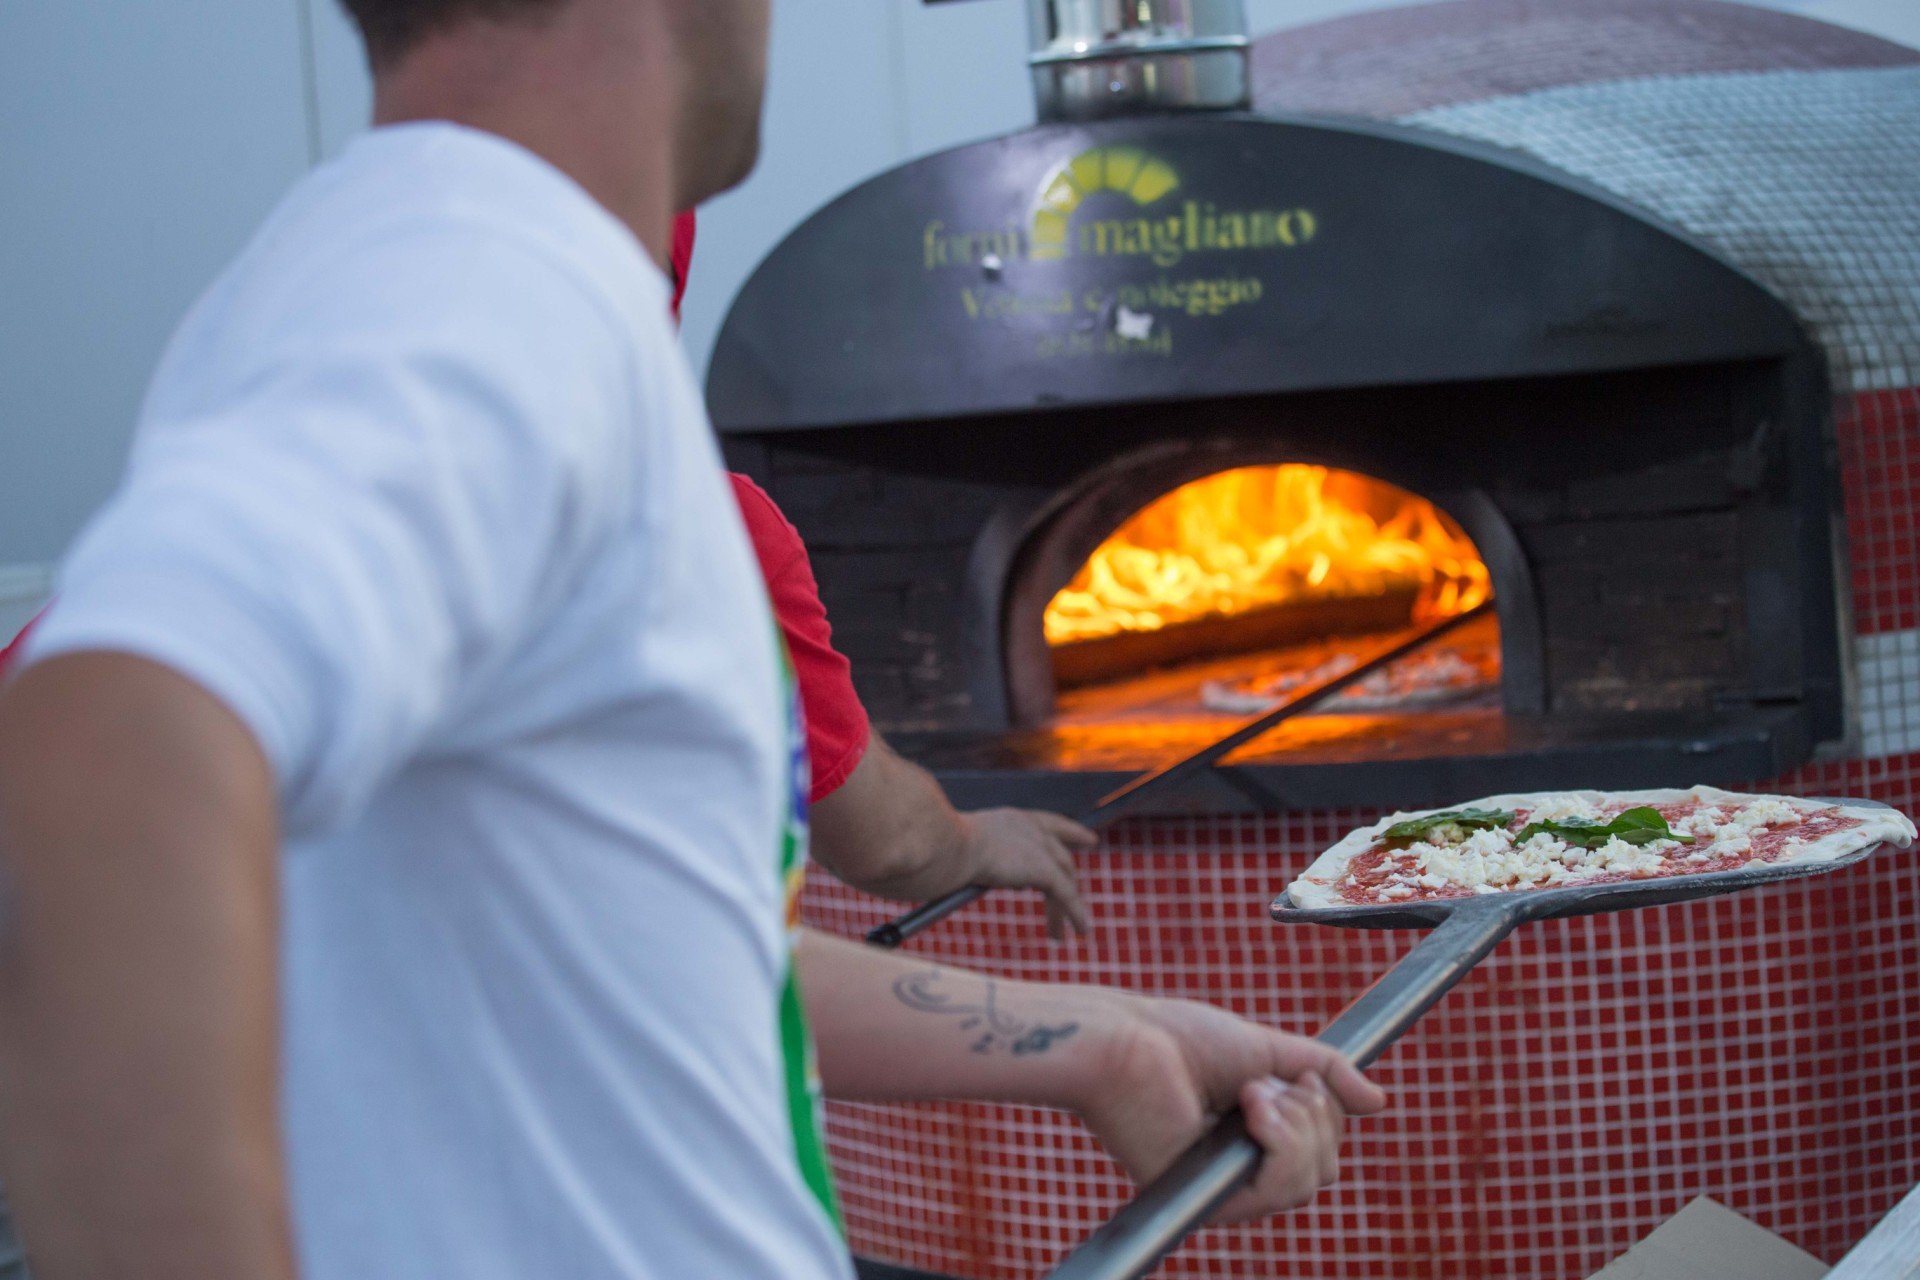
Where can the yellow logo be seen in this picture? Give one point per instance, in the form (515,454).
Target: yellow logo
(1132,219)
(1127,170)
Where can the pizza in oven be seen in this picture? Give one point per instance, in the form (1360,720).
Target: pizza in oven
(1550,840)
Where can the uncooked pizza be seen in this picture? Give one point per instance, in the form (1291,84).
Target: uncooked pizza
(1435,676)
(1552,840)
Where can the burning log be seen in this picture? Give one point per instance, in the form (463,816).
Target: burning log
(1255,558)
(1128,653)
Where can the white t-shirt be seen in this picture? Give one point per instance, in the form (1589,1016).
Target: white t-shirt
(425,493)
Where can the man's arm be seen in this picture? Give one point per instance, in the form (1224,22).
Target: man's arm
(885,826)
(139,1047)
(889,830)
(1148,1076)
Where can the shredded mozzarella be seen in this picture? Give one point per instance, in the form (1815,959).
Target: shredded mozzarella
(1560,808)
(1701,822)
(1762,814)
(1489,861)
(1727,845)
(1616,855)
(1487,843)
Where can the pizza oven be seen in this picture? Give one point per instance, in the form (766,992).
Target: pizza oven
(1107,434)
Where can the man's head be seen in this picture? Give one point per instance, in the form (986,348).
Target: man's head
(724,46)
(710,56)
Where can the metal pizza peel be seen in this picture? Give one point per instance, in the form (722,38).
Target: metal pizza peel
(1464,932)
(1150,784)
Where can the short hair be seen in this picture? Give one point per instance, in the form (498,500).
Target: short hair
(392,27)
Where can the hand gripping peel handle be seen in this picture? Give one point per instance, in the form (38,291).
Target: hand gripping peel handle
(927,914)
(1212,1169)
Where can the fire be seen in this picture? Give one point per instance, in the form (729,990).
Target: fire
(1261,536)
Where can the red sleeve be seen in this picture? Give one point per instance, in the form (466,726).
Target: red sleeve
(11,653)
(837,728)
(681,257)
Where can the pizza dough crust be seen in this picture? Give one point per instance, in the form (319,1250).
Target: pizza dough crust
(1315,888)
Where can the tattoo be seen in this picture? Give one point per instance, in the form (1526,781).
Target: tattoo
(996,1028)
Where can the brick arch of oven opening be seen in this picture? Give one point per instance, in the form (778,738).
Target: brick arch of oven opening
(1027,553)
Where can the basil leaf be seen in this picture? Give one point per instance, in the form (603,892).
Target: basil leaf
(1638,826)
(1587,835)
(1466,819)
(1646,817)
(1573,826)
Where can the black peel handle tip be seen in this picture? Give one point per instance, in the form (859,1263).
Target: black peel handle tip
(897,931)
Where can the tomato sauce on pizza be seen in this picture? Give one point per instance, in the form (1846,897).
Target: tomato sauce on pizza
(1558,840)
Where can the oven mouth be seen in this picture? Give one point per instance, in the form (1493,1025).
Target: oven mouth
(1259,580)
(1174,592)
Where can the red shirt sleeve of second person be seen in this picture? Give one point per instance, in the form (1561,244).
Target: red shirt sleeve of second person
(837,728)
(10,655)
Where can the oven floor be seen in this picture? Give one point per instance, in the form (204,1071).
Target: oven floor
(1224,691)
(1369,760)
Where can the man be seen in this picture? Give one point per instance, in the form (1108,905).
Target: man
(394,805)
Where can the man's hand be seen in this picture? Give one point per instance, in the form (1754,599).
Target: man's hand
(1148,1076)
(1030,849)
(1175,1067)
(890,831)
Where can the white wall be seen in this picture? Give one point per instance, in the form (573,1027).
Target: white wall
(141,140)
(856,87)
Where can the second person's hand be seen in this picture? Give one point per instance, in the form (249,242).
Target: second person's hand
(1031,849)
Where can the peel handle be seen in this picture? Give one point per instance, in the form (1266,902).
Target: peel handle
(896,931)
(1147,1228)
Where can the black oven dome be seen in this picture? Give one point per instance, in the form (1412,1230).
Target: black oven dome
(1168,258)
(1543,265)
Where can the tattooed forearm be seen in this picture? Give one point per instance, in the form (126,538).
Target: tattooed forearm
(991,1028)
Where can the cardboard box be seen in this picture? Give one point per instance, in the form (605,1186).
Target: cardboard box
(1708,1241)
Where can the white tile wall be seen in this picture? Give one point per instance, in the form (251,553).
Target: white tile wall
(1889,671)
(1809,179)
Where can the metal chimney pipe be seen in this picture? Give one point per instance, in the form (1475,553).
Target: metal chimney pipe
(1098,58)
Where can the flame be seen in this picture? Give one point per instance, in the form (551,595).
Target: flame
(1260,536)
